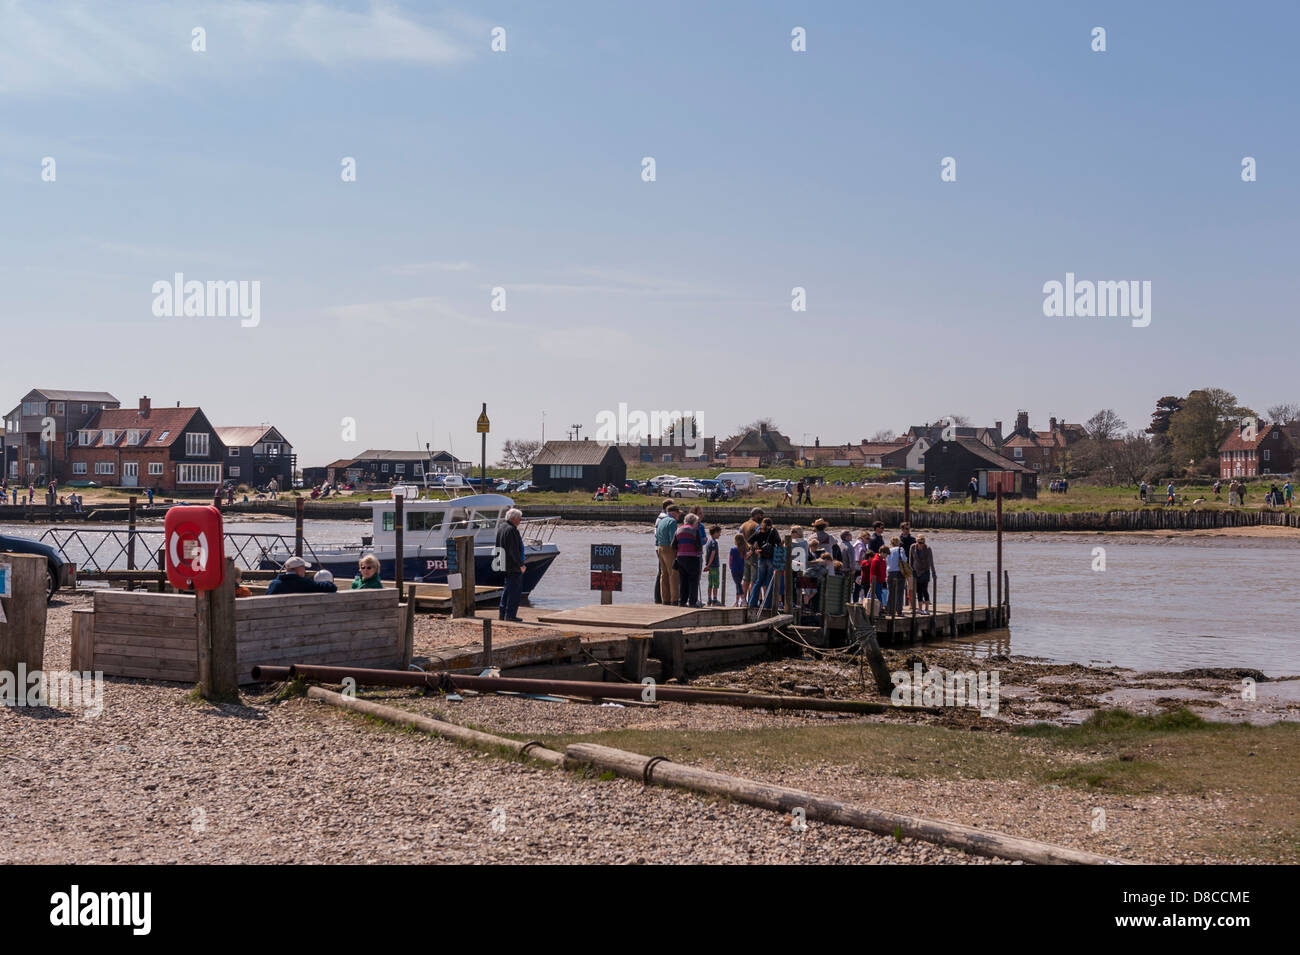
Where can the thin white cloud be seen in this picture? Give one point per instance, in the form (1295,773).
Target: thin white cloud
(79,46)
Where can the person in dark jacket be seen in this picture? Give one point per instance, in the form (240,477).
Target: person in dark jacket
(511,544)
(294,581)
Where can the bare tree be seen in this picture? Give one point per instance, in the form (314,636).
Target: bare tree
(519,453)
(884,436)
(1105,425)
(958,420)
(1284,413)
(758,424)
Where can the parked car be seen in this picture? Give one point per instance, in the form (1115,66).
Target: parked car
(61,573)
(685,489)
(524,487)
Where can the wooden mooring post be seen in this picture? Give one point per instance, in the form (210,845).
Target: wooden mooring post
(487,641)
(952,618)
(1006,596)
(297,527)
(999,569)
(130,539)
(161,559)
(462,597)
(215,613)
(399,552)
(988,597)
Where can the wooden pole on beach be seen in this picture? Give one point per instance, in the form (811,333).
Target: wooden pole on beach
(130,539)
(399,552)
(999,555)
(161,558)
(462,597)
(907,500)
(1006,597)
(297,529)
(988,597)
(972,603)
(953,617)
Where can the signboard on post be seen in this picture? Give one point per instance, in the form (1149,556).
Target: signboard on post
(6,580)
(195,548)
(778,558)
(606,569)
(483,423)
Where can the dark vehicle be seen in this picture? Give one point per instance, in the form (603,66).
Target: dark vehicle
(61,573)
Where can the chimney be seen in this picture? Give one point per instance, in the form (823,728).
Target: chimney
(1022,421)
(817,442)
(762,428)
(144,407)
(1052,424)
(998,426)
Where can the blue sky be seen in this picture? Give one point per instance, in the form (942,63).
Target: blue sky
(522,169)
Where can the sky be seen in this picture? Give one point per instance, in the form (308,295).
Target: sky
(522,169)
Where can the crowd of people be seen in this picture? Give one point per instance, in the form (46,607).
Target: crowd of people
(893,573)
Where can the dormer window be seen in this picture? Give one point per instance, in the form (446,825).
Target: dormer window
(109,436)
(85,438)
(133,437)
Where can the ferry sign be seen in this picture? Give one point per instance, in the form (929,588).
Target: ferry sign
(606,557)
(606,580)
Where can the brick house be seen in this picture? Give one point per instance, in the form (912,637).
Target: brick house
(820,455)
(668,452)
(167,449)
(1041,450)
(990,437)
(30,458)
(1255,448)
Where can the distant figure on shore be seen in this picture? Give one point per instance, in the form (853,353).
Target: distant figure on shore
(1286,493)
(293,580)
(511,543)
(973,490)
(240,589)
(687,562)
(1218,486)
(1170,496)
(149,494)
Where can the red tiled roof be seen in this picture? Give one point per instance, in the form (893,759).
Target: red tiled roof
(171,421)
(1235,442)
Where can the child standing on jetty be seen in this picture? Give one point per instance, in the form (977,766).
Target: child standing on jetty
(711,564)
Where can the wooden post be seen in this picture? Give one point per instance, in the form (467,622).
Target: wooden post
(161,558)
(988,596)
(22,635)
(399,551)
(297,530)
(972,603)
(1006,596)
(408,634)
(130,539)
(203,639)
(225,677)
(788,575)
(871,648)
(952,622)
(912,631)
(934,602)
(670,650)
(462,597)
(606,597)
(999,571)
(487,641)
(907,500)
(636,656)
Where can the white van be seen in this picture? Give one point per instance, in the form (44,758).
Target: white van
(744,480)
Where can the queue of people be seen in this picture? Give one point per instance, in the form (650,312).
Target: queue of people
(894,574)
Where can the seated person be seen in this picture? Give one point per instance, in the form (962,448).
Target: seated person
(240,589)
(294,580)
(367,574)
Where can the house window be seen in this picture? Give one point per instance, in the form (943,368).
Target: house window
(155,469)
(78,467)
(419,469)
(566,471)
(85,438)
(400,468)
(384,468)
(32,408)
(109,436)
(163,437)
(85,409)
(133,437)
(59,407)
(1267,454)
(1019,452)
(196,446)
(233,452)
(232,471)
(104,467)
(198,473)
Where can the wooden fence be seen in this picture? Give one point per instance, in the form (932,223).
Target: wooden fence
(155,636)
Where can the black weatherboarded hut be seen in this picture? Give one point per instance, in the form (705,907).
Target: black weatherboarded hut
(952,464)
(578,465)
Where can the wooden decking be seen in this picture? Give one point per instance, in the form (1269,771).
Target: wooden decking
(643,616)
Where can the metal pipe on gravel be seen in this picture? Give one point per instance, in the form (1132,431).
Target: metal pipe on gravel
(609,691)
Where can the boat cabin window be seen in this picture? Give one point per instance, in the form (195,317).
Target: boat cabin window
(387,523)
(423,520)
(474,520)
